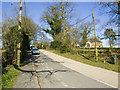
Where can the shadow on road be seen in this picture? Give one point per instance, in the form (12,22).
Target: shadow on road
(29,58)
(51,72)
(32,58)
(45,61)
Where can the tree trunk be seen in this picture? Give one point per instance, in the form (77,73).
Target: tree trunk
(3,44)
(110,42)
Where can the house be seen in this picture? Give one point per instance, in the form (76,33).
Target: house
(76,45)
(91,43)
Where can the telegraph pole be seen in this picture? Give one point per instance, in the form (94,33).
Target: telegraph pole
(19,28)
(95,37)
(63,17)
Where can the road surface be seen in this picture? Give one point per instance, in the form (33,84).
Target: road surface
(44,72)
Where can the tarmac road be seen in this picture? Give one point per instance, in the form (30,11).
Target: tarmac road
(43,72)
(52,74)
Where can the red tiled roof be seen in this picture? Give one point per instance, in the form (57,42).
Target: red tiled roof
(74,45)
(93,44)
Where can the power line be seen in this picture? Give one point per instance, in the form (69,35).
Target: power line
(87,16)
(84,18)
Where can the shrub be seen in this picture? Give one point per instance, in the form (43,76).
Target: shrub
(63,49)
(44,47)
(55,45)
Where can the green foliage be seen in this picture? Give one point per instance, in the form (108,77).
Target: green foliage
(86,30)
(63,49)
(110,34)
(44,47)
(29,28)
(35,43)
(62,43)
(67,42)
(57,17)
(40,46)
(12,36)
(52,18)
(59,46)
(55,45)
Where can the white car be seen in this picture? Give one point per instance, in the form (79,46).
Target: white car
(35,51)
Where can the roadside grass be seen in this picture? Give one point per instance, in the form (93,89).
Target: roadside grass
(9,76)
(108,66)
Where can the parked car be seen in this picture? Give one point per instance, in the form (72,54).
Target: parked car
(32,47)
(35,51)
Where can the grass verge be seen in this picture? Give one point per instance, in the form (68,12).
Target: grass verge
(80,58)
(9,76)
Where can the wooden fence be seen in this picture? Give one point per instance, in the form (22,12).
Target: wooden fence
(104,54)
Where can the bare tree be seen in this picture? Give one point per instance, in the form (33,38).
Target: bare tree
(85,31)
(113,10)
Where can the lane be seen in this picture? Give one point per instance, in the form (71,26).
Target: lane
(53,74)
(102,75)
(27,77)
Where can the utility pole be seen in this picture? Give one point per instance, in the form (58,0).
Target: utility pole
(95,37)
(19,28)
(63,17)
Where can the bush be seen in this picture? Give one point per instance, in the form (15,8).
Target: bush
(63,49)
(55,45)
(73,51)
(7,58)
(40,46)
(44,47)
